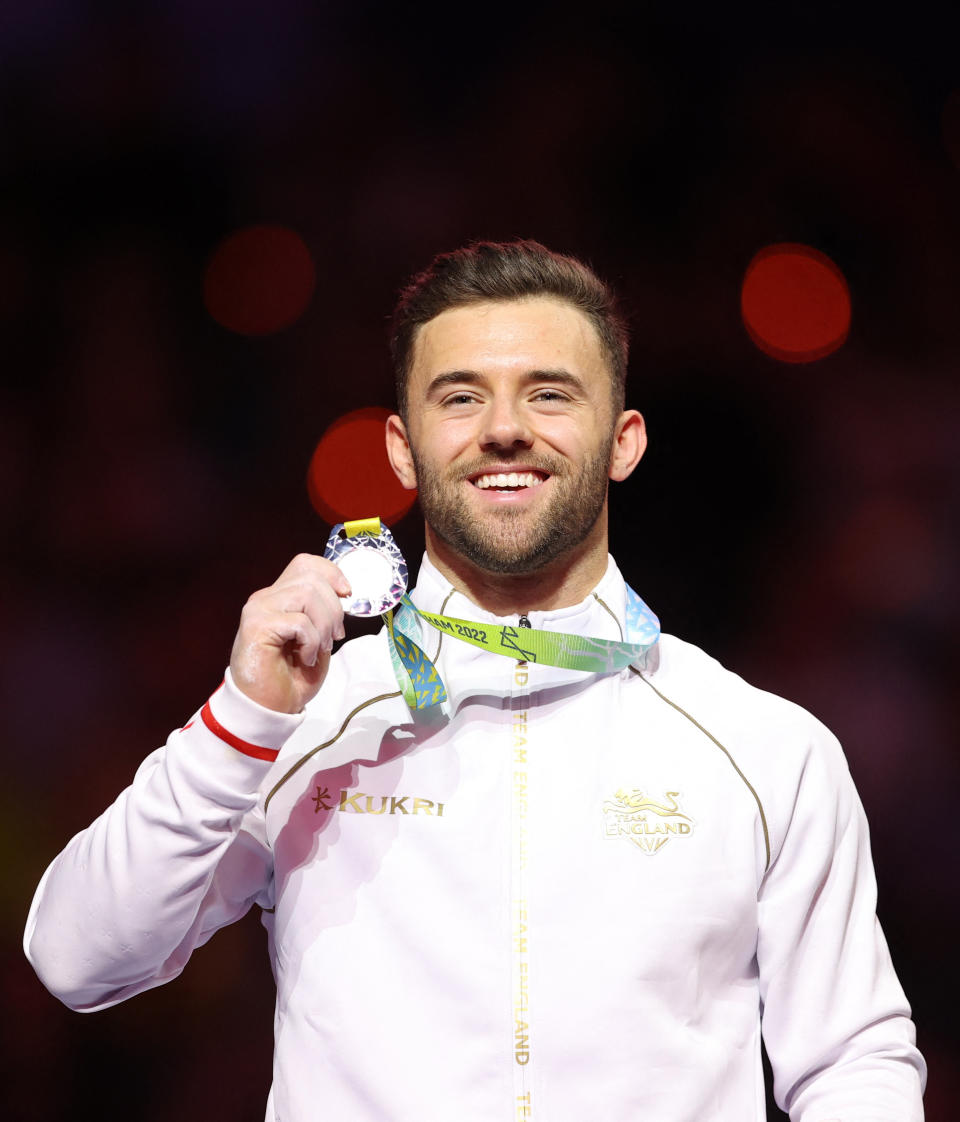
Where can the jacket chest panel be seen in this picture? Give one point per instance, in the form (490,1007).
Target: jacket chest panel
(590,789)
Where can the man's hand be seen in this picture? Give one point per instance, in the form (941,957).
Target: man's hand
(282,649)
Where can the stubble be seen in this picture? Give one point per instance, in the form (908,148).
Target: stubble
(510,539)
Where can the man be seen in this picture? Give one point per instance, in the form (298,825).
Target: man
(557,893)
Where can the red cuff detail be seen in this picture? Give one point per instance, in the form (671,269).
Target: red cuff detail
(258,753)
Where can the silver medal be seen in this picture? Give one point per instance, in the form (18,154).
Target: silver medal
(369,558)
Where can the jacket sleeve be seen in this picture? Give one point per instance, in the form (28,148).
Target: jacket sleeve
(835,1019)
(180,854)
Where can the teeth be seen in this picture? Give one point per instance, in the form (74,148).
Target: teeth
(513,479)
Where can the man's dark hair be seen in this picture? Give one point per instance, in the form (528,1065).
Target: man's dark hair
(501,271)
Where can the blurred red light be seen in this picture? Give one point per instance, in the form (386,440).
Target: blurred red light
(349,474)
(259,280)
(795,303)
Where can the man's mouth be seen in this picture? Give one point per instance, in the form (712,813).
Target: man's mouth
(508,481)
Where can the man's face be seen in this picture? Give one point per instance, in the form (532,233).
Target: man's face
(510,428)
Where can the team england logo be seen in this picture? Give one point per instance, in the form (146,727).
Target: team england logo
(644,821)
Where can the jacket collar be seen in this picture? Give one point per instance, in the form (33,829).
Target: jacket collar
(601,614)
(470,673)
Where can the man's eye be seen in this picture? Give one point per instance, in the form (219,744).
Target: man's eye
(549,395)
(459,399)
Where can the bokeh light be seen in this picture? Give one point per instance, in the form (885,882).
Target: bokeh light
(350,476)
(795,303)
(259,280)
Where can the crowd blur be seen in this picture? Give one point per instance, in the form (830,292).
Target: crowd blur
(798,520)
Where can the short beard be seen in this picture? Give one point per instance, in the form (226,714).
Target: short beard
(571,514)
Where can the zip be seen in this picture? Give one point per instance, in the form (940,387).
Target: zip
(522,1038)
(523,621)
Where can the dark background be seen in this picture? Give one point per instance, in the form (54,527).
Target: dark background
(797,520)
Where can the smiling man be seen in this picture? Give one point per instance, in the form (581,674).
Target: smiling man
(513,429)
(584,872)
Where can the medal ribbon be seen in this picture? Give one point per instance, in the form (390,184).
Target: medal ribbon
(420,681)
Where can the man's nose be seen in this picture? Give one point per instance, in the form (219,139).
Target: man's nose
(505,426)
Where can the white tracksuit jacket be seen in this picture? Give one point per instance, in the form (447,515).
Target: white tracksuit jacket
(563,896)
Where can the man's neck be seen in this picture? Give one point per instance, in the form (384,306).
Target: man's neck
(561,584)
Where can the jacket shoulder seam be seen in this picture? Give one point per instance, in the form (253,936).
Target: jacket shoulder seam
(709,735)
(326,744)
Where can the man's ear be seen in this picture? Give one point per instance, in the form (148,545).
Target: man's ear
(629,444)
(398,452)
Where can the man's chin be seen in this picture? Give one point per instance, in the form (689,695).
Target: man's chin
(510,557)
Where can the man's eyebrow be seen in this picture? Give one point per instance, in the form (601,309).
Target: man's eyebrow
(556,377)
(451,378)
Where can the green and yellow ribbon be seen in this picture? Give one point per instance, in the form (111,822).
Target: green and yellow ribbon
(420,681)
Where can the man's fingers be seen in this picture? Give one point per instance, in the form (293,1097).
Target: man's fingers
(315,599)
(326,602)
(298,629)
(287,632)
(303,606)
(310,566)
